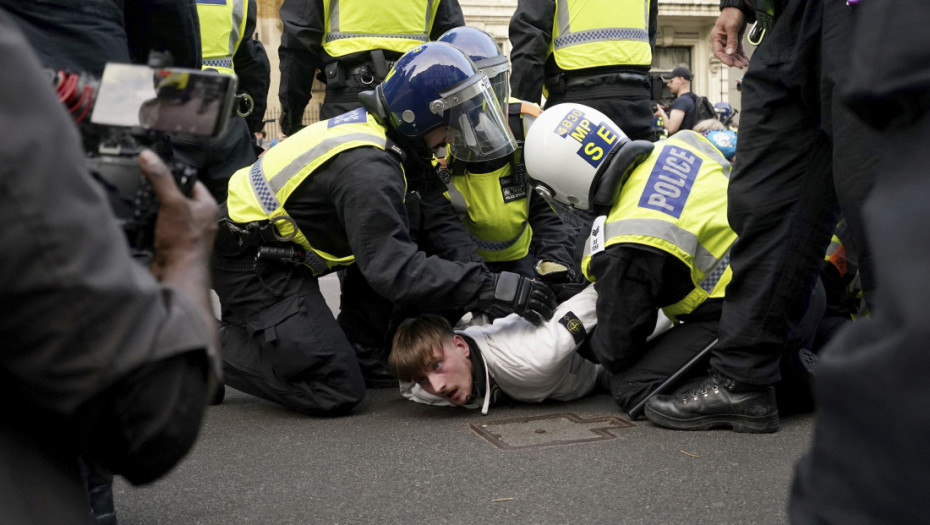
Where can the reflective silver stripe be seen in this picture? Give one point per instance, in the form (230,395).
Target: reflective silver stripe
(459,204)
(566,38)
(238,16)
(218,62)
(492,246)
(265,196)
(680,237)
(291,170)
(834,245)
(334,33)
(690,138)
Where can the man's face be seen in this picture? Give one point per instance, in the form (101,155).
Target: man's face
(437,138)
(449,374)
(674,84)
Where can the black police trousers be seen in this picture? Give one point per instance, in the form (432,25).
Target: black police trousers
(800,154)
(280,340)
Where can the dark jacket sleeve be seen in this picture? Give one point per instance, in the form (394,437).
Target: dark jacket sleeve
(164,25)
(633,282)
(369,203)
(448,16)
(78,315)
(530,35)
(299,52)
(254,71)
(653,23)
(550,239)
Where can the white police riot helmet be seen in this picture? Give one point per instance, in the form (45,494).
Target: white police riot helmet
(567,150)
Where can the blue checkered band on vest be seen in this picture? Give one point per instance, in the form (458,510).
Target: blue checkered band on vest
(599,35)
(331,37)
(498,246)
(263,192)
(218,62)
(710,280)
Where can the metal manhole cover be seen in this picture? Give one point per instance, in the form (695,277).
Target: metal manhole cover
(548,431)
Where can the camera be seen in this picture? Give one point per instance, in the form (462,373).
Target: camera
(132,108)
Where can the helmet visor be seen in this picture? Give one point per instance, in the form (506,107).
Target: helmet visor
(478,130)
(498,71)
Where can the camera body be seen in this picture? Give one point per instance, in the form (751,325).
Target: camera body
(133,108)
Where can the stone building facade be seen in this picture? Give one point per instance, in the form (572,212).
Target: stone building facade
(683,39)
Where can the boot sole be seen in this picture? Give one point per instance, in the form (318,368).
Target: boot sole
(742,424)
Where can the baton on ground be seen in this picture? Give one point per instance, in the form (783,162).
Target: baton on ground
(637,411)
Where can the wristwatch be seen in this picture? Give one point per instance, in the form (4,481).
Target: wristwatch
(748,12)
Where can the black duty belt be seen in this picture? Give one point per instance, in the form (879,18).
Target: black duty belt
(564,81)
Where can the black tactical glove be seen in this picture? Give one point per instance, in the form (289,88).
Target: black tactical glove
(290,124)
(510,293)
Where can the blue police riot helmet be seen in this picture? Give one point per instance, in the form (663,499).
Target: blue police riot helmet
(485,52)
(435,85)
(725,112)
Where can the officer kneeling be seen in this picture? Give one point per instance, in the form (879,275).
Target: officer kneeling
(332,195)
(660,240)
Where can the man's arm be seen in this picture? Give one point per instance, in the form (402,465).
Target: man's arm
(254,71)
(530,35)
(300,55)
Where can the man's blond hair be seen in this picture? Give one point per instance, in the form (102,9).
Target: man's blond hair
(414,344)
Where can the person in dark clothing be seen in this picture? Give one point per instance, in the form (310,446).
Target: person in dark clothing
(305,209)
(868,462)
(353,50)
(103,364)
(681,113)
(224,28)
(254,75)
(84,36)
(801,153)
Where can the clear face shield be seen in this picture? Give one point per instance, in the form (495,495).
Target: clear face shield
(478,130)
(498,71)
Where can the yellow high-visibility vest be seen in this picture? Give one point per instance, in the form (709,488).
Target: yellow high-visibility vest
(676,201)
(222,28)
(259,192)
(597,33)
(397,25)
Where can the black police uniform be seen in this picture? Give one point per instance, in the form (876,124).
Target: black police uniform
(99,360)
(280,339)
(620,92)
(869,462)
(800,153)
(302,54)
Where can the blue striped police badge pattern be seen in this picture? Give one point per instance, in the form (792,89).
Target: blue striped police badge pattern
(671,180)
(596,139)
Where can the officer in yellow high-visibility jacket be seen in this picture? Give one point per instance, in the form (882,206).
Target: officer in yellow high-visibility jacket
(593,52)
(353,44)
(331,196)
(224,26)
(661,242)
(514,230)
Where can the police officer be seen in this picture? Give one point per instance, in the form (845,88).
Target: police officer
(661,240)
(353,44)
(305,209)
(224,24)
(513,231)
(596,53)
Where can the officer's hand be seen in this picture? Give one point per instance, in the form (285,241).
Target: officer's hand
(727,38)
(290,124)
(185,227)
(511,293)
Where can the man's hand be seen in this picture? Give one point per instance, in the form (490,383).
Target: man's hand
(289,123)
(186,227)
(511,293)
(659,112)
(727,38)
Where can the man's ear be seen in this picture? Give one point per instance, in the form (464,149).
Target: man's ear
(460,343)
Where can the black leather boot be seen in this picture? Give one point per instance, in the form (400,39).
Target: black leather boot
(718,402)
(374,367)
